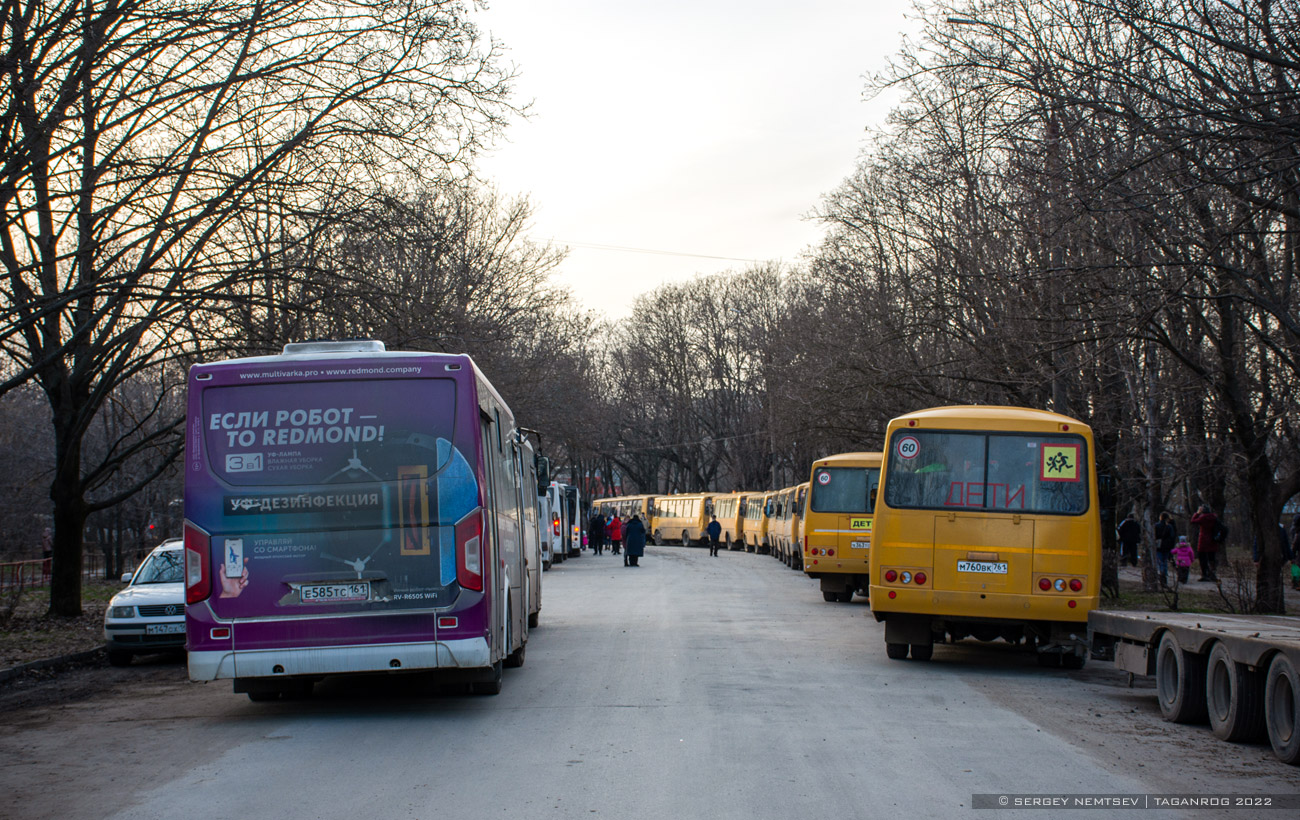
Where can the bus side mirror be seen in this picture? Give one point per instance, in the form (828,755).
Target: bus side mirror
(543,473)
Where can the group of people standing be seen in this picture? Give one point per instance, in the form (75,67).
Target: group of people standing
(628,537)
(1211,538)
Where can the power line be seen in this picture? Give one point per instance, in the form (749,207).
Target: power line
(650,251)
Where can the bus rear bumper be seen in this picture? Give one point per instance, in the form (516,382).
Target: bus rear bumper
(469,653)
(993,606)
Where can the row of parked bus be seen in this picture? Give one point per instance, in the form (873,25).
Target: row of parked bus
(976,522)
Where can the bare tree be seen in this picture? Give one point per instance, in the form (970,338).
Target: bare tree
(138,139)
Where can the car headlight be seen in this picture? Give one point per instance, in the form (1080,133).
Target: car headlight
(121,612)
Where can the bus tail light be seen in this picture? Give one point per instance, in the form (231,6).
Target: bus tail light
(469,558)
(555,525)
(198,564)
(1076,585)
(919,577)
(891,576)
(1044,584)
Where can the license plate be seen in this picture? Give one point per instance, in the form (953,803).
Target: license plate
(861,545)
(164,629)
(334,593)
(987,567)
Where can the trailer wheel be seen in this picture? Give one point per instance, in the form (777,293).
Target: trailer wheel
(1234,698)
(896,651)
(1180,682)
(1281,690)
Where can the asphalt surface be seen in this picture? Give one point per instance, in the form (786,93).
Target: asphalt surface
(688,687)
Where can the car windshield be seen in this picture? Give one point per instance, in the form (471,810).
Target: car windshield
(162,567)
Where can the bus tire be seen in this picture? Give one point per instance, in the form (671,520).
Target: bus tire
(1073,660)
(896,651)
(1180,682)
(490,686)
(657,538)
(1049,660)
(534,618)
(830,597)
(1282,709)
(846,597)
(686,538)
(516,659)
(1234,698)
(922,651)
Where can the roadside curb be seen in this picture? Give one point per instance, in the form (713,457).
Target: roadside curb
(63,660)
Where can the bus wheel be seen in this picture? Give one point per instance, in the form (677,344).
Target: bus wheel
(922,651)
(516,659)
(1281,699)
(657,539)
(533,619)
(1049,660)
(686,538)
(1180,682)
(896,651)
(831,597)
(1073,660)
(491,686)
(1234,697)
(846,597)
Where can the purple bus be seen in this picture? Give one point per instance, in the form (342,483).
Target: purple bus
(350,510)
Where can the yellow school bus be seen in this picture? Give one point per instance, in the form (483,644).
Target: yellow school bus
(681,518)
(837,524)
(626,506)
(730,510)
(757,507)
(987,525)
(785,530)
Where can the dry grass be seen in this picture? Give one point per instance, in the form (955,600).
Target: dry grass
(29,633)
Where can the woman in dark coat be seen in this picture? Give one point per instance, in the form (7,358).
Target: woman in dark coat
(1207,549)
(633,541)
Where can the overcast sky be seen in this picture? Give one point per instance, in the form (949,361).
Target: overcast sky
(684,130)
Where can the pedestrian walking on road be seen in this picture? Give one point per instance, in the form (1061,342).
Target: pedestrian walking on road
(614,530)
(1166,537)
(1210,535)
(714,531)
(596,531)
(1130,533)
(635,541)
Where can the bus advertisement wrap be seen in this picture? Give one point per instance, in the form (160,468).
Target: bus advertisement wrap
(334,495)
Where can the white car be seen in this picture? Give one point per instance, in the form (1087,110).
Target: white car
(149,615)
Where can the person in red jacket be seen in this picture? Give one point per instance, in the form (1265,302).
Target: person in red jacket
(1207,546)
(614,532)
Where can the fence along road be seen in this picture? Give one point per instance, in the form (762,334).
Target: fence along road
(689,687)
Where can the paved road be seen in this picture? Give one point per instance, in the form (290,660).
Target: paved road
(691,687)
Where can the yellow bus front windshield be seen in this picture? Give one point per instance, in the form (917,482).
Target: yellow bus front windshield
(1004,472)
(844,489)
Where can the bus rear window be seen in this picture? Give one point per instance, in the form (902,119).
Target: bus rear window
(314,433)
(987,471)
(844,489)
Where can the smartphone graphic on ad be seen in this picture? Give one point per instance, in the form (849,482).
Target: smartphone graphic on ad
(234,557)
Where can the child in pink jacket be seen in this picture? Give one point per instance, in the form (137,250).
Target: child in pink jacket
(1183,555)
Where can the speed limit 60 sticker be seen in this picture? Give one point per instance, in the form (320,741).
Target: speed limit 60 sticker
(907,447)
